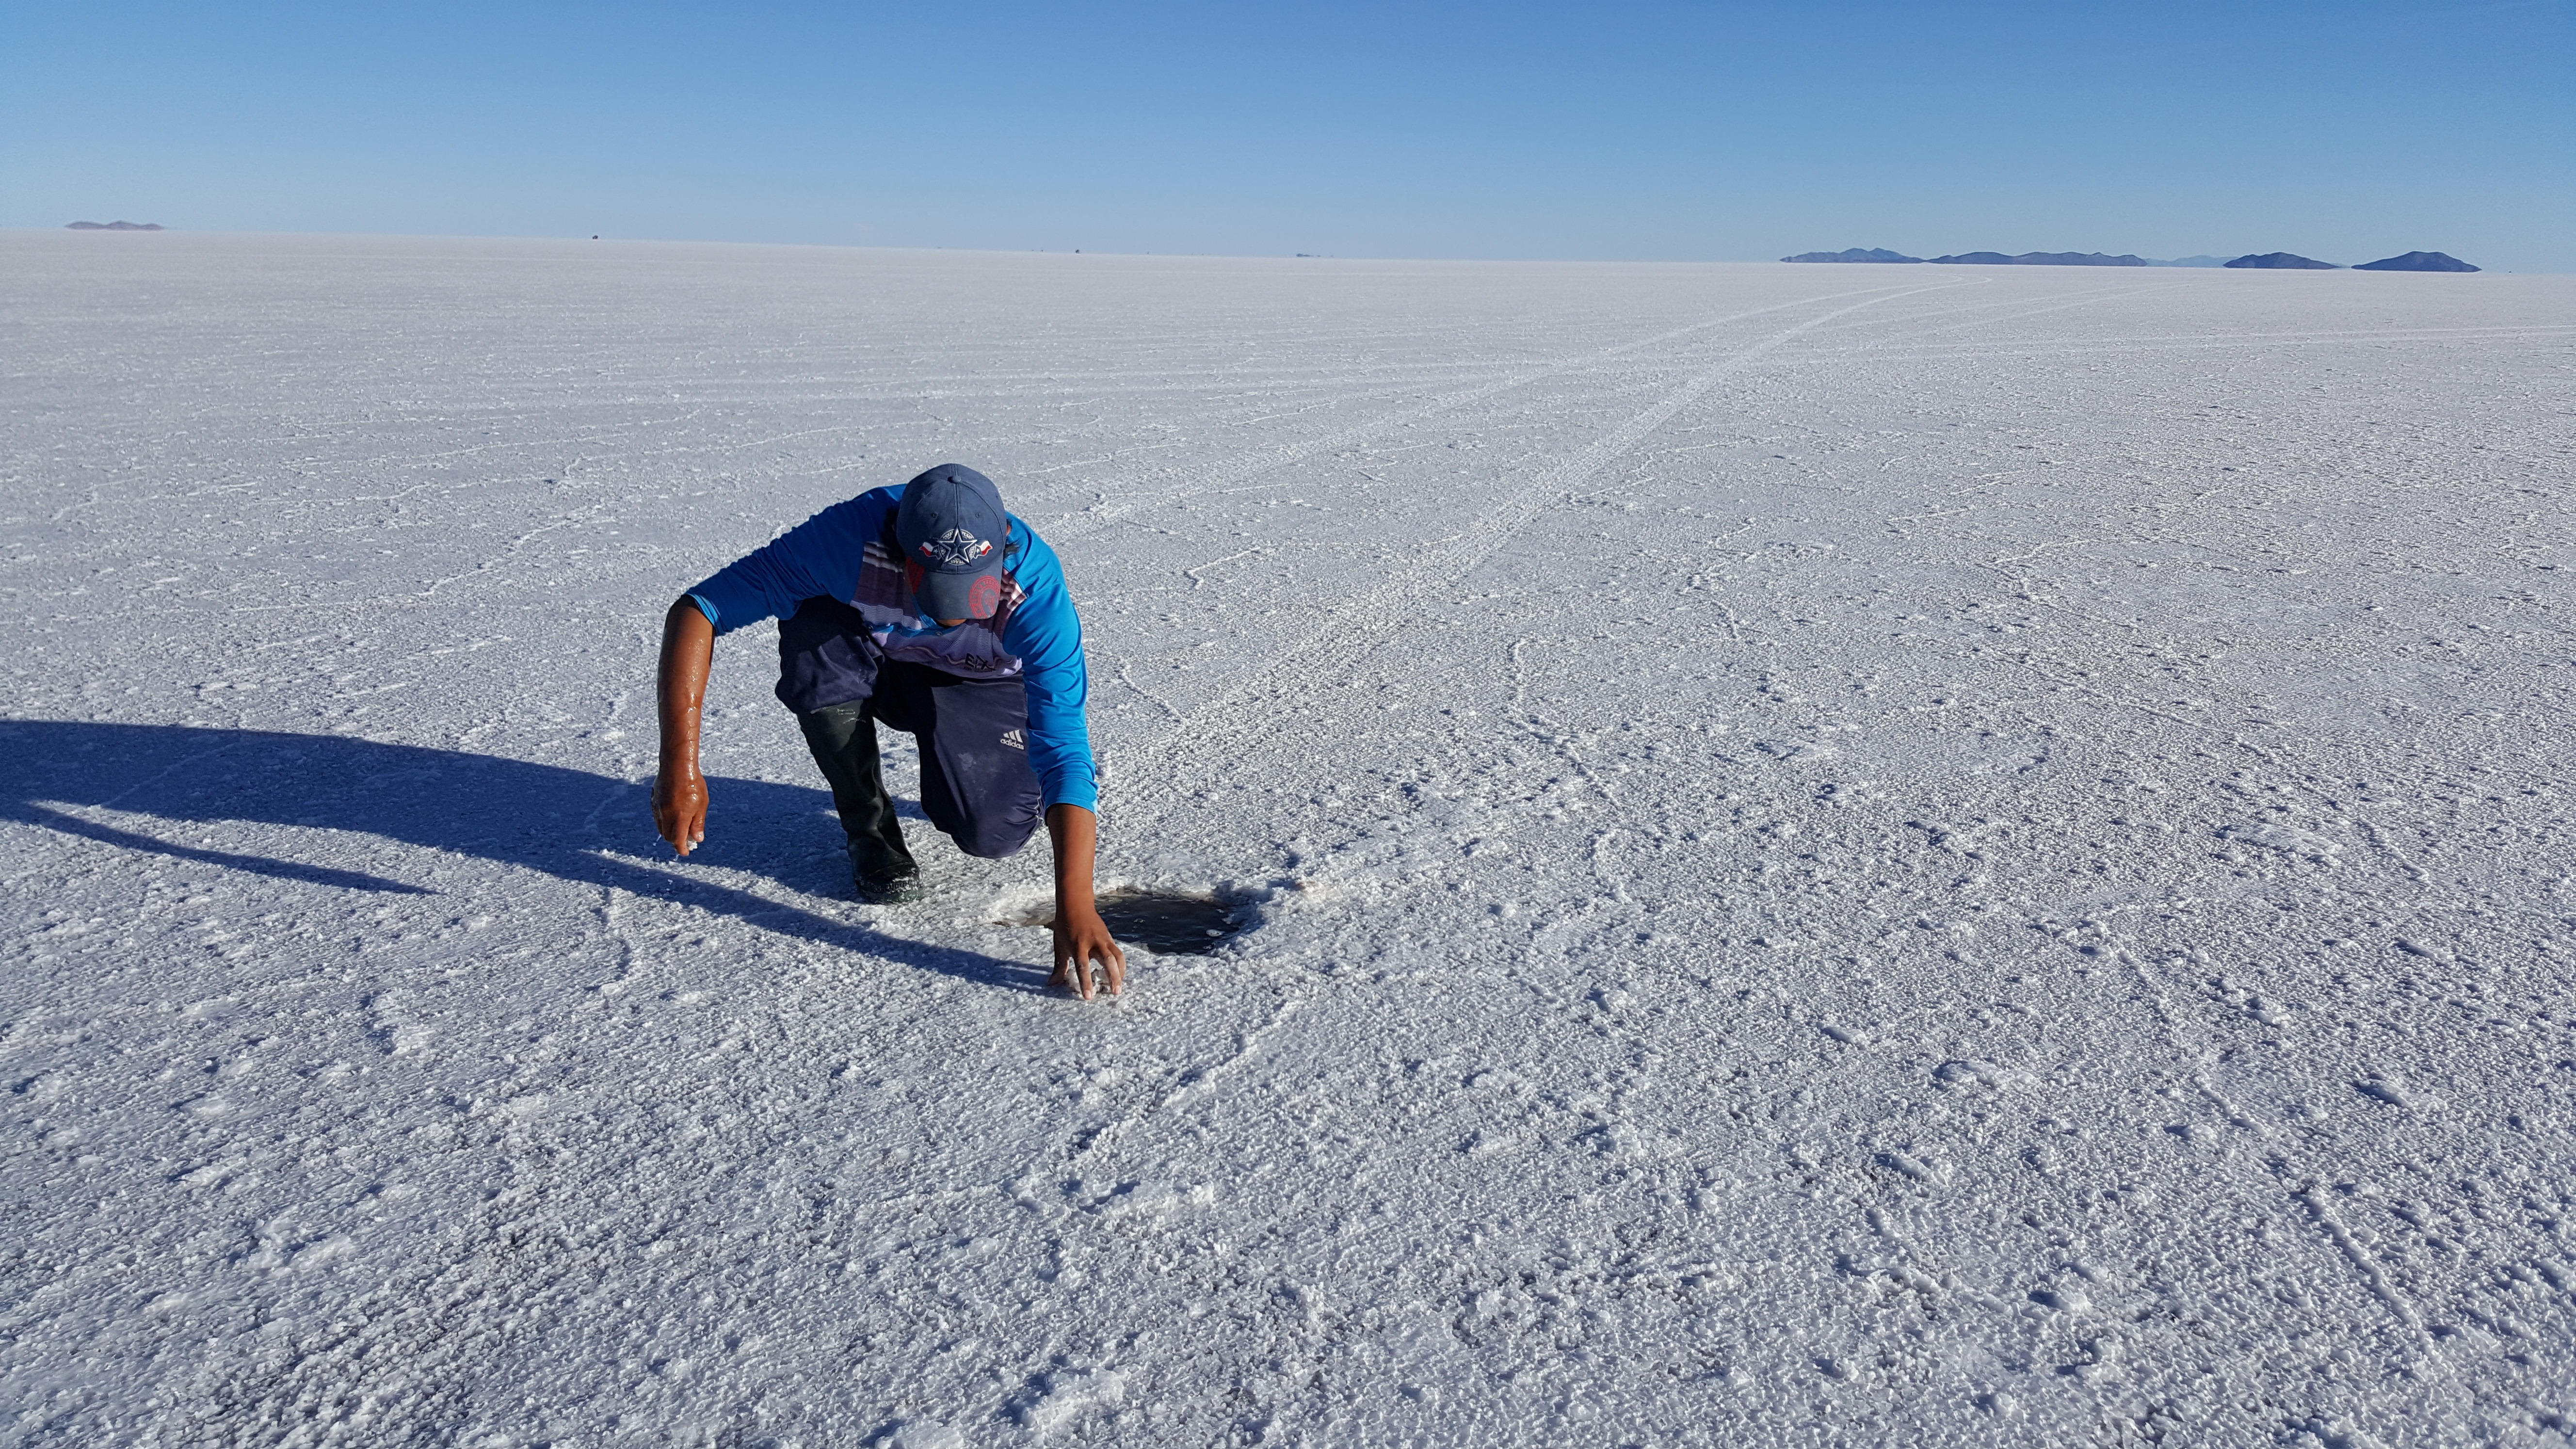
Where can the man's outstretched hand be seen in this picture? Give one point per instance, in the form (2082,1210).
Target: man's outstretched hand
(679,791)
(680,808)
(1081,938)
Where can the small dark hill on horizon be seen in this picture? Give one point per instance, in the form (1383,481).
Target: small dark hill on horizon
(2040,259)
(115,226)
(2417,262)
(2284,262)
(1853,254)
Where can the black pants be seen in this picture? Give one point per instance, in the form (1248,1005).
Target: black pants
(976,784)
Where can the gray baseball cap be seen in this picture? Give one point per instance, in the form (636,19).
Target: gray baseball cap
(954,532)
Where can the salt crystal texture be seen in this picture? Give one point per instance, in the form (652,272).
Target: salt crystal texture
(1897,851)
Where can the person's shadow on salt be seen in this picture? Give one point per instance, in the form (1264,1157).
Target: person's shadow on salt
(567,823)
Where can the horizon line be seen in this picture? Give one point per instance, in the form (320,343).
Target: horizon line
(164,230)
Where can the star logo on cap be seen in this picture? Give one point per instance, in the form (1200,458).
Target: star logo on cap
(955,549)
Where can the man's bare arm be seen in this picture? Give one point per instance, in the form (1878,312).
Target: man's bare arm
(679,791)
(1080,934)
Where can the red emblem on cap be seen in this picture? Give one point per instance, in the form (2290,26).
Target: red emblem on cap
(983,596)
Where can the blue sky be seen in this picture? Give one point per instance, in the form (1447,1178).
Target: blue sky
(1647,131)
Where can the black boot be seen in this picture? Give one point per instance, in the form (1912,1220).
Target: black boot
(884,880)
(844,741)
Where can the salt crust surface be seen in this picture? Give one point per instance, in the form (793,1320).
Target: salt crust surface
(1859,858)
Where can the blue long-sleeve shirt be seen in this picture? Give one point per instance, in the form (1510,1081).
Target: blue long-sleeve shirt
(846,553)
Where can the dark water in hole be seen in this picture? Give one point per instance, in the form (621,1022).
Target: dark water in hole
(1163,922)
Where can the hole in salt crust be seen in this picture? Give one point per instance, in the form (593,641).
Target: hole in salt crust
(1164,922)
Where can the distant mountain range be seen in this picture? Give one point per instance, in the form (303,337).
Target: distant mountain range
(2038,259)
(114,226)
(2411,262)
(1855,254)
(1998,259)
(2417,262)
(2283,262)
(2264,261)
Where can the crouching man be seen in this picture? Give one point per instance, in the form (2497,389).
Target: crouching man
(932,610)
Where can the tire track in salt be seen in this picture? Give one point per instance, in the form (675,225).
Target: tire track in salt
(1217,735)
(1984,314)
(1100,516)
(1197,752)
